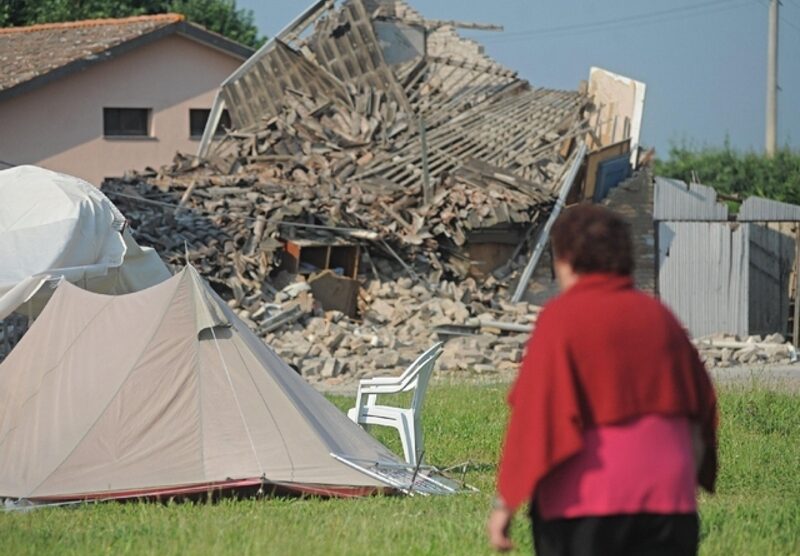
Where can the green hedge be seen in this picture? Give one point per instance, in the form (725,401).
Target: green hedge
(735,173)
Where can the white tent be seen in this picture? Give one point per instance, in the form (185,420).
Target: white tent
(164,390)
(53,226)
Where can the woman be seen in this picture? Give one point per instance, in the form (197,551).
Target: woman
(613,416)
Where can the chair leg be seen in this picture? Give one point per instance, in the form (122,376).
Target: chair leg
(409,442)
(408,436)
(419,439)
(401,425)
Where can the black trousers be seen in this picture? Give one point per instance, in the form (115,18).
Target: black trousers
(616,535)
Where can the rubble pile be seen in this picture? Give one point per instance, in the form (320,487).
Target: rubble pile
(727,350)
(382,130)
(476,198)
(232,226)
(401,319)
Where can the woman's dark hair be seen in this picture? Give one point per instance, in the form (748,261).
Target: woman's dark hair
(592,238)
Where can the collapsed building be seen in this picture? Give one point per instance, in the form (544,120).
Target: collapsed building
(383,180)
(383,183)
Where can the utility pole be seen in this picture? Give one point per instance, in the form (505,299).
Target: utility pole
(772,80)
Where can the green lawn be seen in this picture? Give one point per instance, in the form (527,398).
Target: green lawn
(757,509)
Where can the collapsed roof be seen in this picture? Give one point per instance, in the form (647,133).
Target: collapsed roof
(417,70)
(376,120)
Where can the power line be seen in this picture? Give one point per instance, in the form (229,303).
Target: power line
(782,17)
(652,17)
(790,24)
(606,27)
(681,9)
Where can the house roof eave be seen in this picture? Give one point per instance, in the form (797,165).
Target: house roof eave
(187,30)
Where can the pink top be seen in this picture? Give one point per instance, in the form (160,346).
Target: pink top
(644,465)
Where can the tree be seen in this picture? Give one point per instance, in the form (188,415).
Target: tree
(220,16)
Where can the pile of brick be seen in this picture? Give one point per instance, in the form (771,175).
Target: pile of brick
(401,319)
(727,350)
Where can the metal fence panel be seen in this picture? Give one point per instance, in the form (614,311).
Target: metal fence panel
(677,201)
(703,275)
(756,209)
(771,261)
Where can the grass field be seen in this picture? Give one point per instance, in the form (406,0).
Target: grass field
(757,509)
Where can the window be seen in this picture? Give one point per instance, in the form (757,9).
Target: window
(126,122)
(198,118)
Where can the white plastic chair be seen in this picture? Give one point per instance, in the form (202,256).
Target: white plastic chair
(407,421)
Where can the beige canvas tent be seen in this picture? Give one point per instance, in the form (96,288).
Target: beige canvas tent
(164,391)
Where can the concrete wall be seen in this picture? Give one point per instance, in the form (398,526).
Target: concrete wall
(60,125)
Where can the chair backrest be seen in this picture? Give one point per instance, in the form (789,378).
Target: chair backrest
(423,378)
(415,367)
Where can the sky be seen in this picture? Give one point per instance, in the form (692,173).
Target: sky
(703,61)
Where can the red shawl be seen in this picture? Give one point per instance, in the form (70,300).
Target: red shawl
(602,353)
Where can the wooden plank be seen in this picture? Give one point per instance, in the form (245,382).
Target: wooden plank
(594,160)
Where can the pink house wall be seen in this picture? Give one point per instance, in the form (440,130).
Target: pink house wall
(60,125)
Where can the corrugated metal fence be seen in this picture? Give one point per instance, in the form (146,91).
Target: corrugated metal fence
(703,275)
(720,274)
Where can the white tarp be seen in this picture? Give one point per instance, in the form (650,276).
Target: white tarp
(55,226)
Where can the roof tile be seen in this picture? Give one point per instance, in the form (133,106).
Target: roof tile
(32,51)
